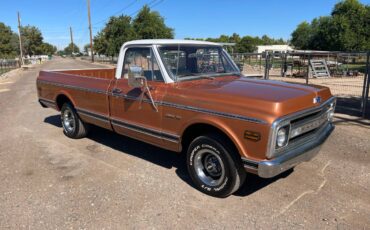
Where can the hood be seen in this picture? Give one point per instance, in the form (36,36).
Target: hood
(264,99)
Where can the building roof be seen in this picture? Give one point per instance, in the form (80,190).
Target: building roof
(169,41)
(275,46)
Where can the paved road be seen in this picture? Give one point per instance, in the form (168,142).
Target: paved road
(48,181)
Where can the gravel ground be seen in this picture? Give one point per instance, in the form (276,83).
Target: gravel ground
(107,181)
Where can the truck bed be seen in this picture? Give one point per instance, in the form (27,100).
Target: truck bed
(86,88)
(95,73)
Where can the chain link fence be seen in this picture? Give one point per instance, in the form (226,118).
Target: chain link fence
(7,65)
(346,74)
(100,59)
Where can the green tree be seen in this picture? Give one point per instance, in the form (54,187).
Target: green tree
(8,42)
(118,31)
(247,44)
(301,37)
(351,22)
(72,47)
(266,40)
(60,52)
(234,38)
(346,29)
(32,40)
(48,49)
(100,43)
(87,48)
(323,35)
(150,24)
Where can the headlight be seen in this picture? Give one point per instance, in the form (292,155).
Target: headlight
(282,137)
(330,114)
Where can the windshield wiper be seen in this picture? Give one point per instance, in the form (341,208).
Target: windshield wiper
(208,77)
(195,75)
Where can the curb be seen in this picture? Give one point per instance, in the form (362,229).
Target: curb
(97,63)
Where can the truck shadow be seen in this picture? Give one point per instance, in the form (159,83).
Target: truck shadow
(254,183)
(351,106)
(163,158)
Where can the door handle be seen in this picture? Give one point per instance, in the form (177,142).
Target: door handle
(116,91)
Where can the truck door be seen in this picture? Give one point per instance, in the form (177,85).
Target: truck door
(132,113)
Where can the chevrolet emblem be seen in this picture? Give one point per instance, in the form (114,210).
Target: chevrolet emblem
(316,100)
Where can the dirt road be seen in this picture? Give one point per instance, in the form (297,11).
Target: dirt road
(48,181)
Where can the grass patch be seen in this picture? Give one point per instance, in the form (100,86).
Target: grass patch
(2,71)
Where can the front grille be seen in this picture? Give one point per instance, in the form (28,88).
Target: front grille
(311,124)
(305,138)
(306,117)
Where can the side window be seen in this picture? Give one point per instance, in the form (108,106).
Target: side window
(208,61)
(144,58)
(171,57)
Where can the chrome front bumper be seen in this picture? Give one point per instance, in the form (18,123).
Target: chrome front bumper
(302,153)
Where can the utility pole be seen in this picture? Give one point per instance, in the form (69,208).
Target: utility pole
(73,47)
(91,42)
(20,39)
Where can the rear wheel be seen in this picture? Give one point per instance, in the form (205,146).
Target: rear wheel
(213,167)
(73,126)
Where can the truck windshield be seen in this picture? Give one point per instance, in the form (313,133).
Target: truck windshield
(186,62)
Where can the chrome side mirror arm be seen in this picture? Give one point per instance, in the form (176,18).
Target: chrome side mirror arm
(146,90)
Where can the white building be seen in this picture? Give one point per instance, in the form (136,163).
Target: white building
(274,48)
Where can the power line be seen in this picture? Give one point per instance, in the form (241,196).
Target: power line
(151,4)
(108,4)
(121,10)
(76,9)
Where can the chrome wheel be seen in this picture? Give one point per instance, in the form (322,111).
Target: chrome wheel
(209,167)
(68,120)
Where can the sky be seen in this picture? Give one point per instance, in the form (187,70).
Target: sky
(188,18)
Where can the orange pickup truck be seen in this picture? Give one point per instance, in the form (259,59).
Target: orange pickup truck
(189,96)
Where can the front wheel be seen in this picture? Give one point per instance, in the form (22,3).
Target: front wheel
(213,167)
(73,126)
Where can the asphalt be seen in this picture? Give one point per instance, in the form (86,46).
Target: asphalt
(107,181)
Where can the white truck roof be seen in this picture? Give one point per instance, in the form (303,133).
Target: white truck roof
(168,42)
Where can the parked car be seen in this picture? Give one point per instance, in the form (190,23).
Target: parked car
(190,97)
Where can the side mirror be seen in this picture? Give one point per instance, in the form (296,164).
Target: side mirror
(135,77)
(137,80)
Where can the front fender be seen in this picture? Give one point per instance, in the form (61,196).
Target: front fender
(221,125)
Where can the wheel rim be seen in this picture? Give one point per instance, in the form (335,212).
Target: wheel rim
(68,120)
(209,167)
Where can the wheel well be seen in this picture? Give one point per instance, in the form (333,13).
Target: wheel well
(197,130)
(61,99)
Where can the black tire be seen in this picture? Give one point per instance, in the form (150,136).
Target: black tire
(73,126)
(208,154)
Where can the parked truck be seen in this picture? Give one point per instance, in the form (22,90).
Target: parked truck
(190,97)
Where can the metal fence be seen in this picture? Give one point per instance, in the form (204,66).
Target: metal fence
(7,65)
(346,74)
(100,59)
